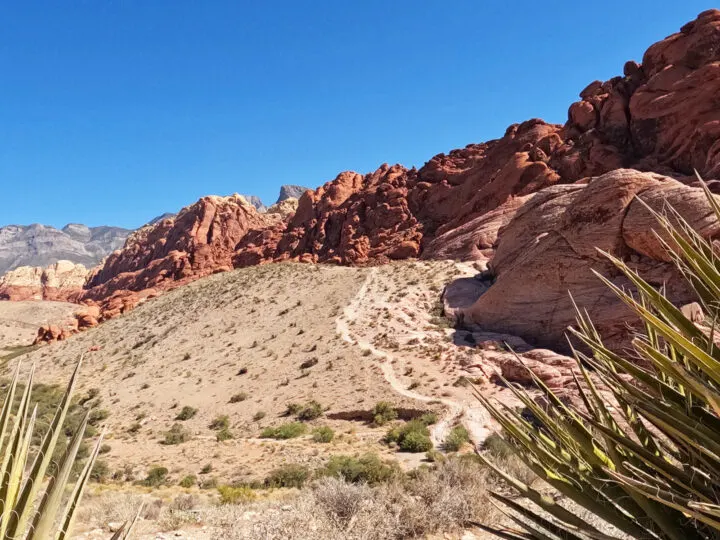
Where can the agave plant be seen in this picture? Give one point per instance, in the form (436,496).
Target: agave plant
(642,452)
(28,511)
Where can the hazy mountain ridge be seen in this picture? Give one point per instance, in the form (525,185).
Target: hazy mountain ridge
(42,245)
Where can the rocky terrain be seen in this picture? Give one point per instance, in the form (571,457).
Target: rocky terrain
(399,285)
(62,281)
(41,245)
(533,205)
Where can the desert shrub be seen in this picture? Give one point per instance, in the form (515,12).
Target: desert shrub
(176,435)
(100,471)
(429,418)
(292,409)
(415,441)
(289,430)
(367,469)
(259,416)
(288,476)
(188,481)
(224,435)
(156,476)
(97,415)
(237,398)
(235,495)
(457,437)
(323,434)
(413,436)
(104,449)
(186,413)
(497,446)
(383,412)
(220,422)
(310,411)
(207,468)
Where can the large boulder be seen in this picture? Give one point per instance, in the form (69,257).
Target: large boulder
(549,249)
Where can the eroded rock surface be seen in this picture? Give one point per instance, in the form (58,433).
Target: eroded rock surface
(62,281)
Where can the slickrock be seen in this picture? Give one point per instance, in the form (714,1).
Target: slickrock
(62,281)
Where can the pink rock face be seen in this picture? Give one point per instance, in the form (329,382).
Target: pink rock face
(62,281)
(549,248)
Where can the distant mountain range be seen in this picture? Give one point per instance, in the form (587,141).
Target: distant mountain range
(286,192)
(42,245)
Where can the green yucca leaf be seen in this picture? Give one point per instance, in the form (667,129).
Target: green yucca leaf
(27,515)
(68,515)
(546,524)
(50,502)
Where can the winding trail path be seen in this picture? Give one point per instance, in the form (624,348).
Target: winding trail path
(473,418)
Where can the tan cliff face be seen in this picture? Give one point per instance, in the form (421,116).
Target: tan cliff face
(61,281)
(533,204)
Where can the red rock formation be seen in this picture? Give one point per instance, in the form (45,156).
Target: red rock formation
(199,241)
(523,201)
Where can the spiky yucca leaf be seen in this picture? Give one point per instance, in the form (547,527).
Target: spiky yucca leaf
(28,512)
(643,452)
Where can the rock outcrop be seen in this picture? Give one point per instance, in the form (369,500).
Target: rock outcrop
(197,242)
(62,281)
(548,250)
(41,245)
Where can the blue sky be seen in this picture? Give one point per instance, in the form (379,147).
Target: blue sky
(112,112)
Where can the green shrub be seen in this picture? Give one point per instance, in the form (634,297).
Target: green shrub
(176,435)
(457,437)
(156,477)
(237,398)
(220,422)
(429,418)
(188,481)
(310,411)
(323,434)
(224,435)
(288,476)
(186,413)
(413,436)
(383,412)
(207,468)
(100,471)
(289,430)
(415,441)
(235,495)
(368,469)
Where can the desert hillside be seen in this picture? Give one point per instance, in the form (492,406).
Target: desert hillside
(274,334)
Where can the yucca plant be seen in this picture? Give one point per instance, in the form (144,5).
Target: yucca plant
(28,511)
(642,452)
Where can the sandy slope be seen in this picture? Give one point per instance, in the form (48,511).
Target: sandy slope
(19,321)
(190,346)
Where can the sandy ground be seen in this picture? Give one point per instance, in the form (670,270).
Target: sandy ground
(19,321)
(364,334)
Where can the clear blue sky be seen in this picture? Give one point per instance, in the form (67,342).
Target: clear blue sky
(114,111)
